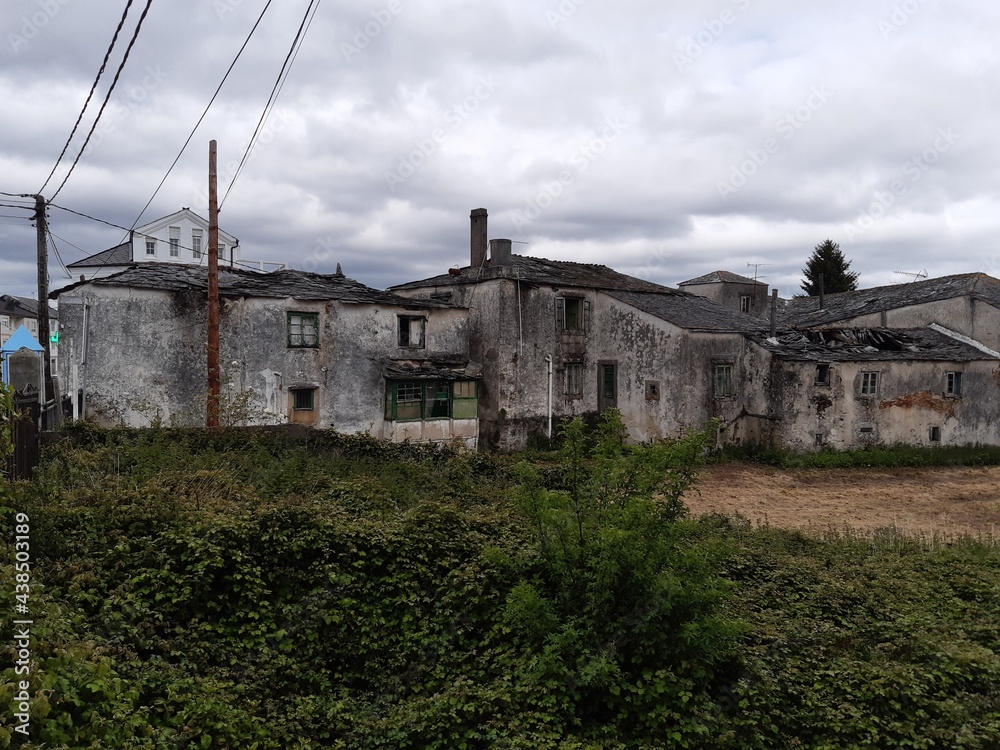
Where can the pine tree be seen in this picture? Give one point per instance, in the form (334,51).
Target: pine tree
(828,261)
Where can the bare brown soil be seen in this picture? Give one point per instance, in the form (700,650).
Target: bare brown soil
(931,501)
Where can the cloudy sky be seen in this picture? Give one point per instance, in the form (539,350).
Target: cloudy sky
(662,138)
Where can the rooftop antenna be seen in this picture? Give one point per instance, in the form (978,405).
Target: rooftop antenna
(755,266)
(913,276)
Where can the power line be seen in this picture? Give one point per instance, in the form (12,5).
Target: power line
(93,88)
(198,124)
(114,82)
(279,82)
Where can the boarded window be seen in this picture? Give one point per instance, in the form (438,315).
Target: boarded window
(574,379)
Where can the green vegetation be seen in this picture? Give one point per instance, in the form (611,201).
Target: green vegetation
(243,589)
(828,263)
(876,456)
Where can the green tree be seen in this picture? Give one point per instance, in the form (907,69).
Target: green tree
(829,263)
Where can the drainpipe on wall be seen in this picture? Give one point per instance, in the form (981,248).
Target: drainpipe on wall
(86,347)
(548,408)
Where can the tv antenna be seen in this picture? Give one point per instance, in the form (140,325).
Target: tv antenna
(755,266)
(913,276)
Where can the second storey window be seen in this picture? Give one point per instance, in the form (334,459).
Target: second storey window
(150,246)
(196,244)
(303,330)
(953,384)
(572,314)
(869,384)
(411,331)
(175,242)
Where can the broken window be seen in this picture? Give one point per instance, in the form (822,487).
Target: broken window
(410,400)
(572,314)
(953,384)
(869,384)
(574,379)
(822,375)
(304,399)
(303,330)
(411,331)
(652,390)
(746,303)
(723,386)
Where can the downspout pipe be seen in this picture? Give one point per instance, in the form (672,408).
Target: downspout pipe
(548,404)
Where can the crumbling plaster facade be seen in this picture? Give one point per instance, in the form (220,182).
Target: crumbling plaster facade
(147,359)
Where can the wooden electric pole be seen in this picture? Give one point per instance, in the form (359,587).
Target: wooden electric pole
(43,305)
(213,291)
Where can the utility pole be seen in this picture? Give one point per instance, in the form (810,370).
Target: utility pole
(43,305)
(213,291)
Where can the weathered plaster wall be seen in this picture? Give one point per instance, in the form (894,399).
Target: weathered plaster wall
(147,357)
(910,400)
(728,295)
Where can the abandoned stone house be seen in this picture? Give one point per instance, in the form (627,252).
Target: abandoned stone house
(562,339)
(322,350)
(502,348)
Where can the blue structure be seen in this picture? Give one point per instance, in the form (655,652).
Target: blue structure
(20,339)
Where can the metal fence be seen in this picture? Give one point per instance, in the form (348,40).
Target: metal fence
(22,464)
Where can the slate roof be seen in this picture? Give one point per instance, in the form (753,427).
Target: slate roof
(301,285)
(22,307)
(691,311)
(804,311)
(869,344)
(432,369)
(119,255)
(719,277)
(541,271)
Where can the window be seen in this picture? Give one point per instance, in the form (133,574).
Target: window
(746,303)
(303,330)
(304,399)
(175,242)
(572,314)
(935,434)
(869,384)
(652,390)
(953,384)
(411,331)
(820,439)
(723,381)
(196,244)
(574,379)
(410,400)
(150,246)
(222,251)
(822,375)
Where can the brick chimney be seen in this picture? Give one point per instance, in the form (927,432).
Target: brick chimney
(500,254)
(477,255)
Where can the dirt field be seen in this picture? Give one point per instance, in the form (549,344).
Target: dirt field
(935,501)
